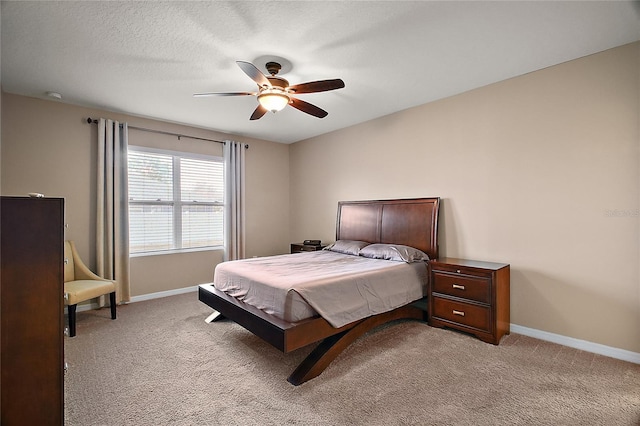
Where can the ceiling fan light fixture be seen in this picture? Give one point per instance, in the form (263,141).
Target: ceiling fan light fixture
(275,93)
(273,101)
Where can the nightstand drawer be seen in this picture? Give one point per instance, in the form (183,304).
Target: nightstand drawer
(478,317)
(301,248)
(472,288)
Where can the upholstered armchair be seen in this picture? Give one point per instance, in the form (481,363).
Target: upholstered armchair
(81,284)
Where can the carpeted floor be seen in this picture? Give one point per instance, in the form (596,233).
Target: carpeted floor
(159,363)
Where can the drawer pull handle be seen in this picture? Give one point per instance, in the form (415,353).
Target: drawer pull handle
(458,286)
(458,313)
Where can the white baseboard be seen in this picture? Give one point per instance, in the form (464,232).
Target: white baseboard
(571,342)
(584,345)
(160,294)
(90,306)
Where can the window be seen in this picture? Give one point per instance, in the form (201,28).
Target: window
(176,201)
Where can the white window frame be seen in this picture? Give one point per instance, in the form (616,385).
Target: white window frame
(177,202)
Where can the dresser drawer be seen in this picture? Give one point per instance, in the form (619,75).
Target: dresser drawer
(472,288)
(478,317)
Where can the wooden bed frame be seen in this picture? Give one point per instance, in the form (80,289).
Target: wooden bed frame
(412,222)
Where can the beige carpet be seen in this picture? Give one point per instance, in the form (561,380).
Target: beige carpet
(159,363)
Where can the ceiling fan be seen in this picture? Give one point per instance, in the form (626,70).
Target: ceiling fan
(274,93)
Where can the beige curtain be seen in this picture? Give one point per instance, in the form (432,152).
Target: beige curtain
(234,219)
(112,230)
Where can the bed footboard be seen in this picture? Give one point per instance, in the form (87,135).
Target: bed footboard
(283,335)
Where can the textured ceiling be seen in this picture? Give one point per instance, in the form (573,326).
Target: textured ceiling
(148,58)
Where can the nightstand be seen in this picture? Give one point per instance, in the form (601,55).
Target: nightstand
(470,296)
(299,247)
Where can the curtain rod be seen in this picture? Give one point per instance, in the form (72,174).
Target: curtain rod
(162,132)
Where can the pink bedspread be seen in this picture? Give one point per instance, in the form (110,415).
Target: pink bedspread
(341,288)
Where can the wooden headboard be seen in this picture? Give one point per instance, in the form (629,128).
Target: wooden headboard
(412,222)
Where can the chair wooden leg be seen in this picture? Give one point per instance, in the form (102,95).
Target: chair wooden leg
(71,310)
(112,302)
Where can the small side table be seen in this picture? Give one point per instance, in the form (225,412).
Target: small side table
(470,296)
(300,247)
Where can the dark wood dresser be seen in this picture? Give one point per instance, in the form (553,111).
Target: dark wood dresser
(470,296)
(32,286)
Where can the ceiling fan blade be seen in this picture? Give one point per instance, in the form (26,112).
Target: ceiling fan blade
(308,108)
(317,86)
(202,95)
(258,113)
(254,73)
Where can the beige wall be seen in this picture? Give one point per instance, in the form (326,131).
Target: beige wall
(48,147)
(539,171)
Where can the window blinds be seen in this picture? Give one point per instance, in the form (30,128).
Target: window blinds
(175,202)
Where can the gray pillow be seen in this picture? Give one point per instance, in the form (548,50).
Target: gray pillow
(395,252)
(347,246)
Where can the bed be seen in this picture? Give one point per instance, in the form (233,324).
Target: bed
(409,222)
